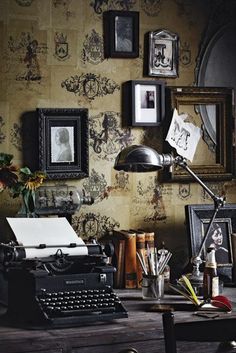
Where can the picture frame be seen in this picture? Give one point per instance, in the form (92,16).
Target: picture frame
(222,226)
(197,219)
(121,34)
(211,162)
(143,102)
(63,142)
(163,53)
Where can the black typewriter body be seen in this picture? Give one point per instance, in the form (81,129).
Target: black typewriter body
(63,292)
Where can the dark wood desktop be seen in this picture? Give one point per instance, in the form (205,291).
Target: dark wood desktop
(141,332)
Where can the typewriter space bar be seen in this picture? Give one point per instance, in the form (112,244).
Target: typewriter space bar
(86,311)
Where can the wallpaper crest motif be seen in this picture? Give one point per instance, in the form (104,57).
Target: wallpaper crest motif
(107,139)
(90,85)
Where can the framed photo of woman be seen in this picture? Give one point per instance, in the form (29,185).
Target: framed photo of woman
(63,142)
(198,218)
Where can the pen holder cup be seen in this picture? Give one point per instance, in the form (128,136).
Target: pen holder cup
(152,287)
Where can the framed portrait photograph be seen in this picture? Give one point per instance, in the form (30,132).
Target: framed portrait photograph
(163,53)
(143,102)
(220,240)
(220,236)
(121,34)
(63,142)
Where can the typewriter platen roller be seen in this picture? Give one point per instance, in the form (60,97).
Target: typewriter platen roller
(71,286)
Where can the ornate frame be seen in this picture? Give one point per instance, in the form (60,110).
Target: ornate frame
(163,54)
(197,216)
(75,121)
(221,98)
(217,39)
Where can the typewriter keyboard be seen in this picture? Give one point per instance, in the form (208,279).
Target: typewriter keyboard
(81,302)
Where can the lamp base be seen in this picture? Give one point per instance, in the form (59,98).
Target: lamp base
(196,277)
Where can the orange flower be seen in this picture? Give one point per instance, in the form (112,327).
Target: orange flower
(35,180)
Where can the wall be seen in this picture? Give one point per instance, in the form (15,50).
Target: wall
(34,79)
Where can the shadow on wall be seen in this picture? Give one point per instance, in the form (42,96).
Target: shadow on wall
(30,140)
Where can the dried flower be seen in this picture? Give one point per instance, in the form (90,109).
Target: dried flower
(20,181)
(8,177)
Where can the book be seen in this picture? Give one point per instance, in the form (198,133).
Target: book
(120,262)
(130,260)
(140,249)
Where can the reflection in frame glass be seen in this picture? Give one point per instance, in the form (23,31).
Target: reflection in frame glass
(163,54)
(121,34)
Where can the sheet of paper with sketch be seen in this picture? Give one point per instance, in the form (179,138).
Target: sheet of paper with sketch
(183,136)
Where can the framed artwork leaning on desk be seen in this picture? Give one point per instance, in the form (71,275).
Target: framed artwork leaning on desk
(197,220)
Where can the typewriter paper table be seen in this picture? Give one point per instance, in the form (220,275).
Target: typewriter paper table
(142,331)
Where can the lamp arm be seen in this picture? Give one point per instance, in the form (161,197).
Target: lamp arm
(208,230)
(218,203)
(218,200)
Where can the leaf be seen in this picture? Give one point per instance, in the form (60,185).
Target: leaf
(190,287)
(187,296)
(5,159)
(25,170)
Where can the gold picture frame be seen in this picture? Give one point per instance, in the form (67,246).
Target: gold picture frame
(212,161)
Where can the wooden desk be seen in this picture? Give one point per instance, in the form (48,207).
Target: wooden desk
(141,331)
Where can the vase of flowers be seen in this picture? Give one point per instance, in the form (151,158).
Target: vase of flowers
(20,182)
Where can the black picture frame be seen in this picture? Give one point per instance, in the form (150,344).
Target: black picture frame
(121,34)
(68,127)
(197,220)
(143,102)
(221,227)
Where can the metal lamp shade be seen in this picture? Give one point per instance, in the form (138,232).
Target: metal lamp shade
(140,158)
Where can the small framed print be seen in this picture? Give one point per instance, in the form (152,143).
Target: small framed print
(163,54)
(121,34)
(63,143)
(220,237)
(143,102)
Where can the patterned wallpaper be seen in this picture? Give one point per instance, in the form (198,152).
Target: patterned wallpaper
(52,57)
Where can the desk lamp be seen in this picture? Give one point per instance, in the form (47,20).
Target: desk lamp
(140,158)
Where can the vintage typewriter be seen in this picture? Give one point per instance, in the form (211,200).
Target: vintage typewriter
(57,284)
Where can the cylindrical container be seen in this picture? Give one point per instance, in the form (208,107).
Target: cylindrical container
(152,287)
(166,274)
(210,278)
